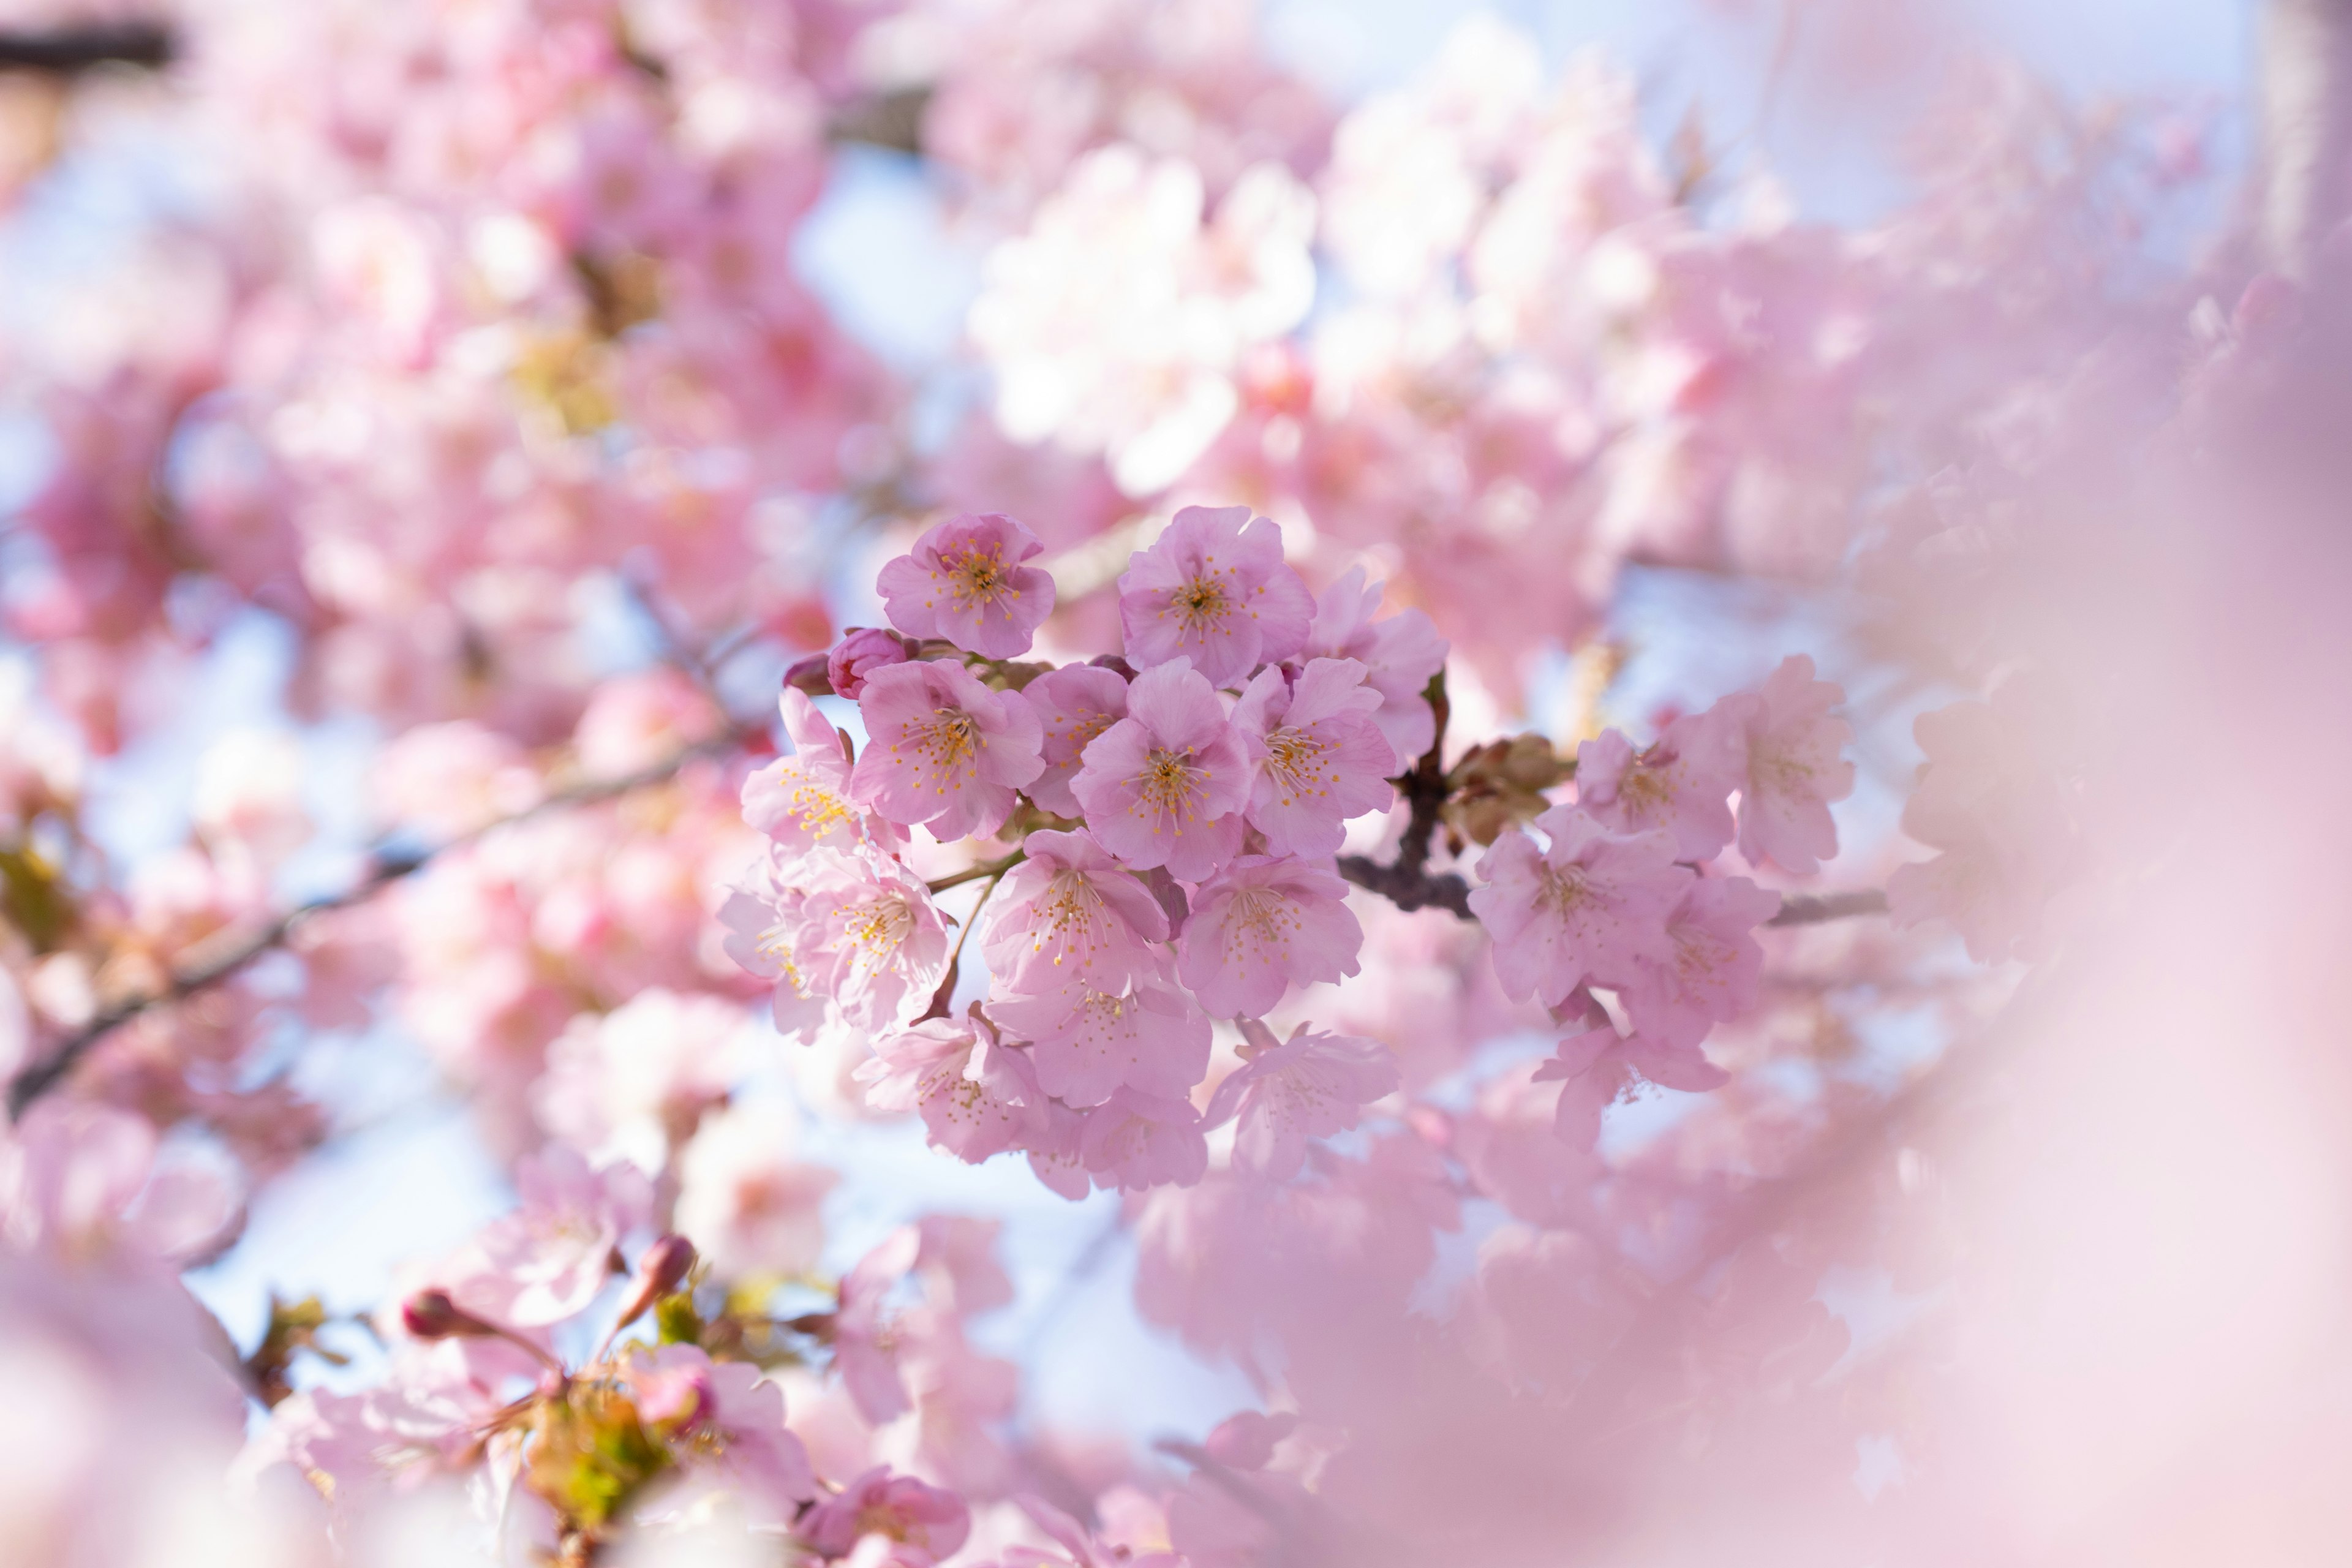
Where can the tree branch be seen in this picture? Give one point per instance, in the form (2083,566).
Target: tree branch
(69,52)
(213,961)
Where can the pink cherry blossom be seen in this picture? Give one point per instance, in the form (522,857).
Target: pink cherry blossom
(1998,810)
(862,651)
(1710,975)
(942,749)
(802,798)
(1214,589)
(1070,914)
(1073,704)
(1320,758)
(1399,653)
(738,1432)
(1793,769)
(849,940)
(1144,1034)
(745,1203)
(913,1513)
(865,1341)
(1589,906)
(1265,923)
(1056,1150)
(963,581)
(1307,1087)
(977,1096)
(1679,784)
(1166,785)
(546,1260)
(634,1083)
(1134,1141)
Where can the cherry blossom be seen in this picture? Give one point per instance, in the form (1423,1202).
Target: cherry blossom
(803,799)
(1213,589)
(1135,1140)
(1073,704)
(942,749)
(1070,915)
(1677,784)
(964,581)
(1793,769)
(977,1096)
(1166,785)
(732,1425)
(858,655)
(1590,905)
(1266,923)
(1087,1042)
(913,1514)
(1399,653)
(1307,1087)
(1709,977)
(848,938)
(749,1207)
(1320,758)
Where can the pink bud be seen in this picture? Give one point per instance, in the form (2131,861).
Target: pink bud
(661,1268)
(432,1315)
(811,675)
(865,650)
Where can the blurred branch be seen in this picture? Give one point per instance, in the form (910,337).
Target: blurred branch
(892,120)
(210,962)
(69,52)
(2304,90)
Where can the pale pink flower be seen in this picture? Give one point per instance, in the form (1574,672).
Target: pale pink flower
(546,1261)
(1134,1141)
(1073,704)
(1399,653)
(1320,758)
(1070,914)
(1263,924)
(913,1513)
(963,581)
(643,720)
(1998,810)
(1146,1033)
(1057,1151)
(801,799)
(1592,906)
(943,749)
(978,1097)
(1680,784)
(1078,1547)
(850,939)
(633,1083)
(865,1343)
(1307,1087)
(861,651)
(957,1264)
(1709,977)
(734,1428)
(742,1200)
(1214,589)
(1166,785)
(1793,769)
(1670,1063)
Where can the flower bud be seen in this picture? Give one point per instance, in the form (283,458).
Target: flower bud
(865,650)
(432,1315)
(811,675)
(661,1270)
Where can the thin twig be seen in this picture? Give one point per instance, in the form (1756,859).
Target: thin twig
(234,953)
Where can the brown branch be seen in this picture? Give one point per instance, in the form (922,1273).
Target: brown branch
(1813,909)
(230,954)
(69,52)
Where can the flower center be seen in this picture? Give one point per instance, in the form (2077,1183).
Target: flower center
(946,744)
(980,575)
(1292,761)
(1201,604)
(1170,784)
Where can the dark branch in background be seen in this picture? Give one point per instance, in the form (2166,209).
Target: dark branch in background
(888,119)
(1408,884)
(69,52)
(232,952)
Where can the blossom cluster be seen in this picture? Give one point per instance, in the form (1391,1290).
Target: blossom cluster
(1170,818)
